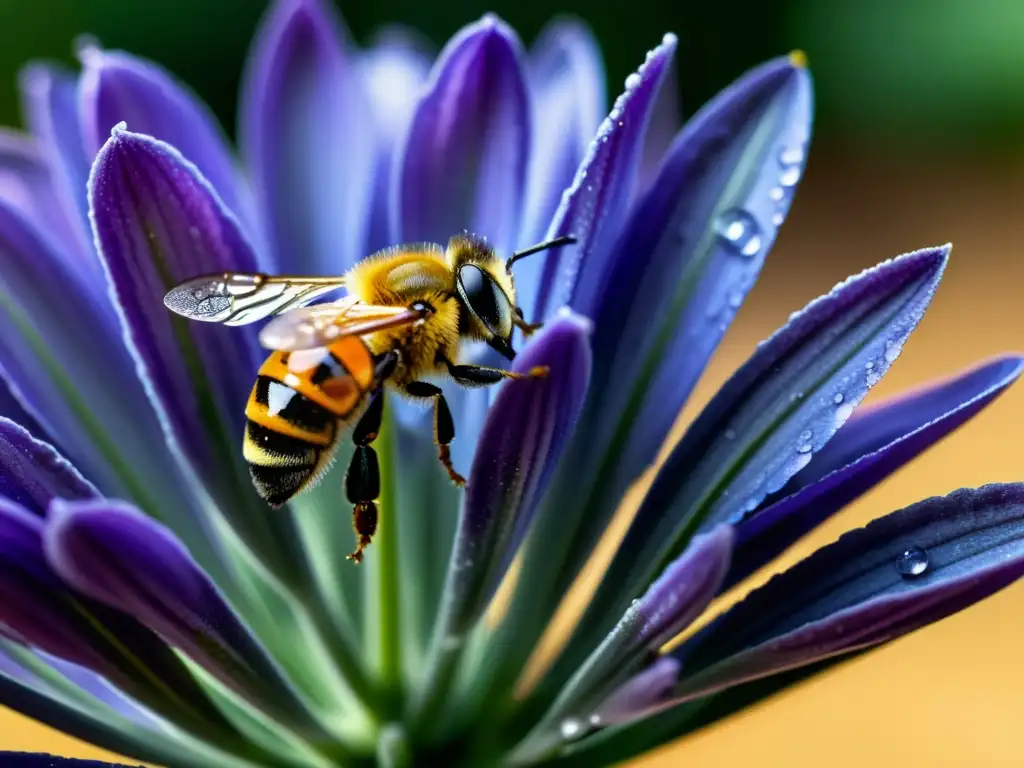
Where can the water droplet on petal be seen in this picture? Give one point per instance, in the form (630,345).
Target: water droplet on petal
(729,434)
(735,299)
(777,219)
(791,156)
(570,728)
(843,412)
(892,351)
(873,378)
(776,194)
(838,398)
(912,562)
(740,231)
(594,720)
(869,366)
(633,81)
(800,461)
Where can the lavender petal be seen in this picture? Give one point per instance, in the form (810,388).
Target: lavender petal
(464,159)
(33,473)
(307,139)
(769,419)
(393,70)
(117,556)
(566,77)
(593,208)
(872,445)
(158,222)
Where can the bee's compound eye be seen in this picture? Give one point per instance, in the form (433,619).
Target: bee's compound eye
(485,299)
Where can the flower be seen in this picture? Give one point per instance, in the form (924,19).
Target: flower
(154,606)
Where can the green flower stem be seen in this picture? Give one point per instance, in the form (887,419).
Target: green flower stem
(383,627)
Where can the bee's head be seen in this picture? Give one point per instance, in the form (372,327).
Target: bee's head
(486,288)
(486,292)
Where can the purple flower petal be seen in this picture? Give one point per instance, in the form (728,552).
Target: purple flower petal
(117,556)
(59,351)
(26,184)
(768,420)
(691,250)
(50,96)
(393,70)
(666,120)
(117,87)
(569,102)
(463,163)
(671,603)
(901,572)
(39,609)
(872,445)
(593,208)
(307,139)
(519,447)
(32,473)
(158,222)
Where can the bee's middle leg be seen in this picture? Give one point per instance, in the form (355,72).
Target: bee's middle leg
(484,376)
(444,426)
(362,481)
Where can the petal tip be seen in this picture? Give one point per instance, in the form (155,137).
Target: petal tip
(581,323)
(88,51)
(798,59)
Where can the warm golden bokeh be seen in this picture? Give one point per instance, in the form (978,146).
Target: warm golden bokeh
(952,694)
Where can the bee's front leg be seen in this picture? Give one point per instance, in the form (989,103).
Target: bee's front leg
(484,376)
(520,322)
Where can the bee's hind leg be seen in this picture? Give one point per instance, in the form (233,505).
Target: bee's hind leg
(444,426)
(362,481)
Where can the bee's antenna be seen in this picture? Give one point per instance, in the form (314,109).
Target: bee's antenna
(547,244)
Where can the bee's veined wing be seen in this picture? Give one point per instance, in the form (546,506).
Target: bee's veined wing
(239,298)
(319,325)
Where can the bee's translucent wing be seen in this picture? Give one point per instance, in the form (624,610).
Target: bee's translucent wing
(319,325)
(239,298)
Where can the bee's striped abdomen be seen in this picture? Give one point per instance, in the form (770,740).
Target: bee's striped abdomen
(294,412)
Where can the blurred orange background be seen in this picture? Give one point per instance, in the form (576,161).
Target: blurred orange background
(951,694)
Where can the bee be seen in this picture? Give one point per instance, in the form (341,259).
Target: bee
(406,312)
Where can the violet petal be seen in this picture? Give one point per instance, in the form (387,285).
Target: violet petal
(872,445)
(463,162)
(32,473)
(393,70)
(897,574)
(307,139)
(158,222)
(117,87)
(567,85)
(41,610)
(768,420)
(519,447)
(593,208)
(50,96)
(114,554)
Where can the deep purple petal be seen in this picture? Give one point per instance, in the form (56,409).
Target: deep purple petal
(393,71)
(901,572)
(871,446)
(50,96)
(60,351)
(26,183)
(666,120)
(32,473)
(118,87)
(691,249)
(768,420)
(158,222)
(593,208)
(569,102)
(119,557)
(39,609)
(307,139)
(463,163)
(671,603)
(519,447)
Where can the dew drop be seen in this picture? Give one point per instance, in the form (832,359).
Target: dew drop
(800,461)
(790,176)
(633,81)
(791,156)
(776,194)
(194,231)
(873,378)
(869,366)
(594,720)
(729,434)
(735,299)
(838,398)
(805,435)
(912,562)
(570,728)
(740,231)
(892,351)
(843,412)
(803,448)
(777,219)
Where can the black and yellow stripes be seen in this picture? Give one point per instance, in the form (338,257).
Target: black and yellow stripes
(296,412)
